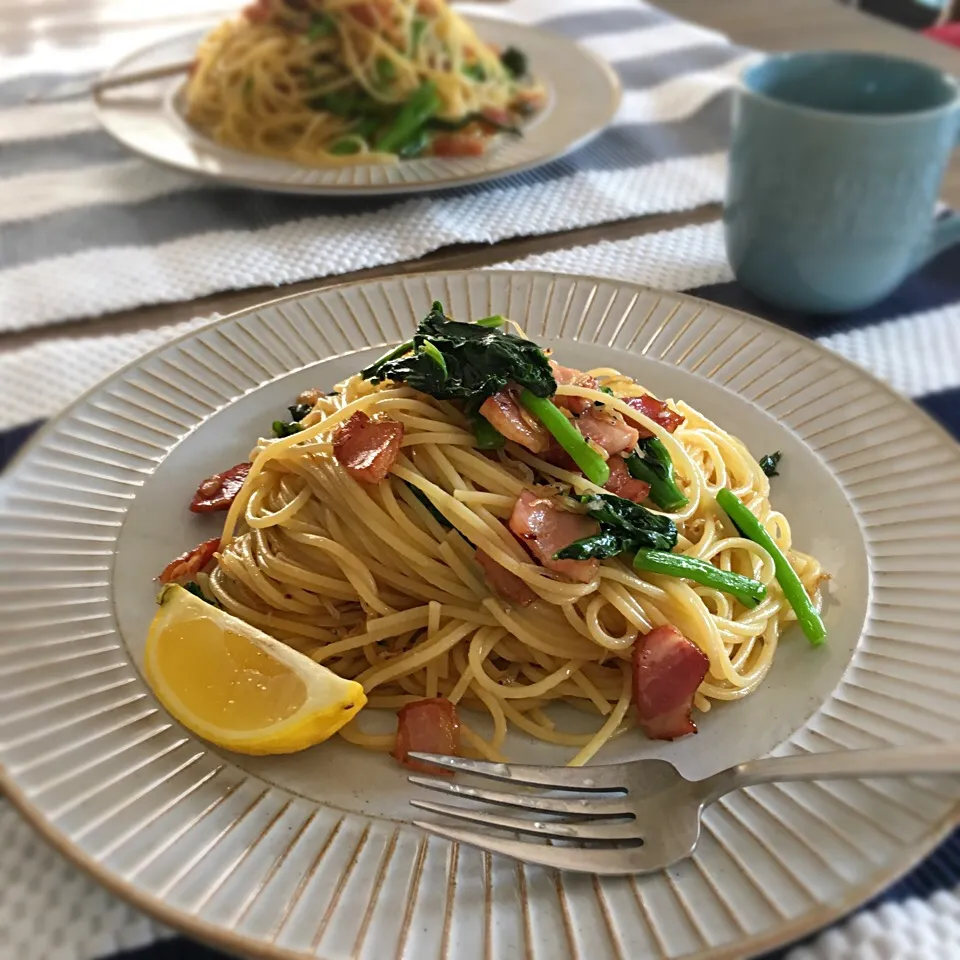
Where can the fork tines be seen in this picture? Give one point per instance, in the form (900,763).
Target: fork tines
(600,817)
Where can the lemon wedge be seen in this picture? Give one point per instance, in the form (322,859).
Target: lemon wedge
(237,687)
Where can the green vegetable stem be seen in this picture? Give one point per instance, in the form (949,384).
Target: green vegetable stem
(420,106)
(745,589)
(751,528)
(594,467)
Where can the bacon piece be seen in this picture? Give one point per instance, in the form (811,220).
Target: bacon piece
(259,11)
(220,490)
(365,13)
(544,527)
(530,101)
(508,585)
(570,377)
(667,670)
(367,449)
(504,412)
(496,118)
(458,145)
(427,726)
(190,563)
(608,430)
(657,411)
(624,485)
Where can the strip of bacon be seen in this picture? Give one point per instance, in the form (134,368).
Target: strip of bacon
(544,527)
(623,484)
(427,726)
(503,411)
(190,563)
(608,430)
(365,13)
(367,449)
(458,145)
(508,585)
(220,490)
(570,377)
(657,411)
(258,12)
(667,670)
(497,117)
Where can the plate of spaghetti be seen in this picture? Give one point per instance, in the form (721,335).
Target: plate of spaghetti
(382,96)
(506,514)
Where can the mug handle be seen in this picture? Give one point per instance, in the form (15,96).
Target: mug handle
(945,232)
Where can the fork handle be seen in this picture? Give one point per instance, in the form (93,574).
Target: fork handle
(920,760)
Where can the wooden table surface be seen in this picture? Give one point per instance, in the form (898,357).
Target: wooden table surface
(762,24)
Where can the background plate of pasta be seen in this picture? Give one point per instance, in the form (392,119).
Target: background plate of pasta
(498,513)
(384,96)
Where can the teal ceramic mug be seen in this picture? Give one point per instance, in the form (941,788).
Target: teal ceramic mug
(835,166)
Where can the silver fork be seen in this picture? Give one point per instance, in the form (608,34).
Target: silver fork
(639,816)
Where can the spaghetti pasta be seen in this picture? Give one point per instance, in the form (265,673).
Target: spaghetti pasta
(418,584)
(334,82)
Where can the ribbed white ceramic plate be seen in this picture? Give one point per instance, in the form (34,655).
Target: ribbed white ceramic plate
(313,854)
(584,94)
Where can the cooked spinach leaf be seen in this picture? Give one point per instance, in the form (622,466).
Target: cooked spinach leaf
(651,462)
(452,126)
(624,526)
(514,62)
(478,361)
(194,588)
(322,25)
(768,463)
(428,503)
(286,428)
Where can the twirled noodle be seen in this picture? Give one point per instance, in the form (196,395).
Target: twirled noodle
(261,82)
(365,579)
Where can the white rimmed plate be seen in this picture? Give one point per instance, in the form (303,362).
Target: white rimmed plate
(312,855)
(583,97)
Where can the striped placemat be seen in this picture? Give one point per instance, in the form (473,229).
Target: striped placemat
(49,911)
(86,228)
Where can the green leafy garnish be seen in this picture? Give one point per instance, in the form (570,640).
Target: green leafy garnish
(475,71)
(345,147)
(488,437)
(652,463)
(287,428)
(321,26)
(416,145)
(194,588)
(283,428)
(386,71)
(768,463)
(417,29)
(514,62)
(452,126)
(478,361)
(428,503)
(418,108)
(624,526)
